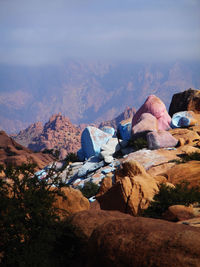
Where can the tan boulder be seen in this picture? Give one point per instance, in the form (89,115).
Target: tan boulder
(189,137)
(178,213)
(195,222)
(189,171)
(133,191)
(72,202)
(106,184)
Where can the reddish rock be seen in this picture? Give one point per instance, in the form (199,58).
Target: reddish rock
(185,136)
(178,213)
(117,239)
(57,134)
(161,139)
(13,153)
(156,107)
(187,100)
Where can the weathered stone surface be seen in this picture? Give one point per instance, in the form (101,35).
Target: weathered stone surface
(92,140)
(133,191)
(124,129)
(111,146)
(178,213)
(74,202)
(156,107)
(187,100)
(91,165)
(117,239)
(105,185)
(146,123)
(189,171)
(189,137)
(161,139)
(183,119)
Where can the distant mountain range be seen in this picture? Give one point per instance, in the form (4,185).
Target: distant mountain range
(86,92)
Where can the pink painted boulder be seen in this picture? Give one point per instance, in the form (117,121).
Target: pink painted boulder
(156,107)
(146,123)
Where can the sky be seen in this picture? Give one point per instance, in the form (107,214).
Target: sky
(37,32)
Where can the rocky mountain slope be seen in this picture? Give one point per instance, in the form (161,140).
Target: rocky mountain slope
(57,134)
(86,91)
(12,153)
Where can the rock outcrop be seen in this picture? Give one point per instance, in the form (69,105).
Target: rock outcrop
(187,100)
(133,190)
(15,154)
(117,239)
(57,134)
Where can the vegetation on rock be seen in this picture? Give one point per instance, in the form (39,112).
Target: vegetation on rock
(90,189)
(181,194)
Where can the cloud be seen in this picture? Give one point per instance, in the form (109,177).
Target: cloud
(43,32)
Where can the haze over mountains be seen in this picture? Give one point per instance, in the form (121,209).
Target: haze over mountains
(86,91)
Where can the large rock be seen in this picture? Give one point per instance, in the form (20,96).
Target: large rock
(161,139)
(178,213)
(133,191)
(146,123)
(187,100)
(72,202)
(92,140)
(183,119)
(187,136)
(124,129)
(117,239)
(156,107)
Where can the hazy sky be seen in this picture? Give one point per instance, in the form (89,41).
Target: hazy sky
(36,32)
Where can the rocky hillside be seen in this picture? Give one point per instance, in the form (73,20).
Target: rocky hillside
(57,134)
(86,92)
(12,153)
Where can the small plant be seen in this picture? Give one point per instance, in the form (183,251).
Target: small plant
(181,194)
(187,157)
(138,143)
(90,189)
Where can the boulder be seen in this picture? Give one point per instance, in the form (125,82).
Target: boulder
(146,123)
(183,119)
(195,222)
(187,100)
(189,171)
(160,139)
(132,192)
(178,213)
(72,202)
(117,239)
(124,129)
(156,107)
(92,140)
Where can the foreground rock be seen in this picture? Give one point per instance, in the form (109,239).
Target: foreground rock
(12,153)
(72,202)
(116,239)
(187,100)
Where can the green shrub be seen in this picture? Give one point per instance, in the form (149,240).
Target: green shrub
(90,189)
(138,143)
(182,194)
(30,229)
(187,157)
